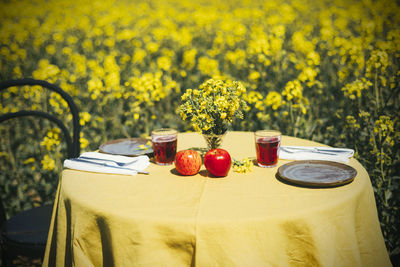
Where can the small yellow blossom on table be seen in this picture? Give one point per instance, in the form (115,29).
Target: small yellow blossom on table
(243,166)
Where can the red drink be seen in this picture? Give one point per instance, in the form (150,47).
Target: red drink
(164,145)
(164,150)
(267,146)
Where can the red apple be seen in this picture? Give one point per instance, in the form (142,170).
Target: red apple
(217,162)
(187,162)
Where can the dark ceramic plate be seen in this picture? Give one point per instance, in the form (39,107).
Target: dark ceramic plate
(127,147)
(317,173)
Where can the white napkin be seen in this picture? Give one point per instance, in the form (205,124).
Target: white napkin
(324,153)
(138,163)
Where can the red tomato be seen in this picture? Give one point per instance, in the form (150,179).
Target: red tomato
(217,162)
(187,162)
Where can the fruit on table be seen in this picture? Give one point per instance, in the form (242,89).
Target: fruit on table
(217,162)
(187,162)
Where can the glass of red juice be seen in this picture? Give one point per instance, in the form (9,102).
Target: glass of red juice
(268,143)
(164,145)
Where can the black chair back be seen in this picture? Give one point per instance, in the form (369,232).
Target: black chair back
(73,144)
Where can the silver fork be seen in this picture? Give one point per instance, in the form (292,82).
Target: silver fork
(121,164)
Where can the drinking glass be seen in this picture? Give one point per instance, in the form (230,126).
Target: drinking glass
(164,145)
(267,146)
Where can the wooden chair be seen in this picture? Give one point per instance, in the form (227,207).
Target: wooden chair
(25,234)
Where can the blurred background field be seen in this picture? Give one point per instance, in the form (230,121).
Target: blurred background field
(321,70)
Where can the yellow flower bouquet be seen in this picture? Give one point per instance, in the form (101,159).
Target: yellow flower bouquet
(212,107)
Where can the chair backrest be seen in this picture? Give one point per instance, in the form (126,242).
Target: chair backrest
(73,143)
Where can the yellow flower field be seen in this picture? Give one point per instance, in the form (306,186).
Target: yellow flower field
(322,70)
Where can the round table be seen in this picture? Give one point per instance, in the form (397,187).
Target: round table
(253,219)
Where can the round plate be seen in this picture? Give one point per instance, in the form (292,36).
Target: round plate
(127,147)
(317,173)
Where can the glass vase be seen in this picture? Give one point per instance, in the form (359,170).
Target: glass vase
(213,140)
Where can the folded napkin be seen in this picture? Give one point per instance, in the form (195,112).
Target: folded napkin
(315,153)
(106,163)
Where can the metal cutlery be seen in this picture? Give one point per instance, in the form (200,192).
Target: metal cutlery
(306,150)
(121,164)
(322,150)
(106,165)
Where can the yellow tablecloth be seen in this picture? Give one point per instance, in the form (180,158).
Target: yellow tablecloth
(164,219)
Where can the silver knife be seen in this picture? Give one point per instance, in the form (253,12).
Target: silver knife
(323,150)
(294,150)
(106,165)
